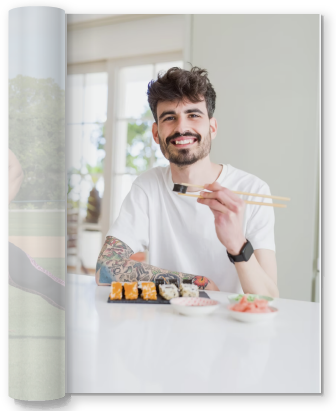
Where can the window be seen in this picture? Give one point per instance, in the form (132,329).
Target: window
(94,171)
(136,149)
(87,110)
(86,117)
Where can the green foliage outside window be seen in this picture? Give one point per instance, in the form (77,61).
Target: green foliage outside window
(140,154)
(37,138)
(87,172)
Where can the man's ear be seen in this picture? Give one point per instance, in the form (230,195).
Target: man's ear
(213,127)
(155,133)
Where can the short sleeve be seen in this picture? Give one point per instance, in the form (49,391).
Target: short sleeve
(260,225)
(132,225)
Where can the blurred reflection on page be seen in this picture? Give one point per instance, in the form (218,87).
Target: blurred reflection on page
(36,269)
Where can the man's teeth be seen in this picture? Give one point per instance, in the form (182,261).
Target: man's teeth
(184,141)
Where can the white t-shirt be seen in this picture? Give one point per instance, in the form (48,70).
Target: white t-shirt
(179,233)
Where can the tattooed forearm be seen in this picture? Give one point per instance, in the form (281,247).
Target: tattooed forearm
(114,265)
(114,249)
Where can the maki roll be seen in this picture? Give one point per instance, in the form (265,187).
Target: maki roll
(173,281)
(116,291)
(179,188)
(168,291)
(158,282)
(189,290)
(148,291)
(131,290)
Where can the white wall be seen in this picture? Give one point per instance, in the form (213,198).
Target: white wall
(265,70)
(149,35)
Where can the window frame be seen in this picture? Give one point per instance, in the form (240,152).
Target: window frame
(112,67)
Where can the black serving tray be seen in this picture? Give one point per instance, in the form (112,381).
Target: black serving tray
(159,300)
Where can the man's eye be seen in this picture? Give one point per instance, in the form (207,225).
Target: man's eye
(168,118)
(194,115)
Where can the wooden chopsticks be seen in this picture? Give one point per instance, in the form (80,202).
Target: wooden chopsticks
(244,193)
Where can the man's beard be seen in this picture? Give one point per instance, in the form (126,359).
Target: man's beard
(184,157)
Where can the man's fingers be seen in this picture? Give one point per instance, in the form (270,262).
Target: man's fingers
(217,214)
(213,187)
(217,187)
(215,205)
(234,204)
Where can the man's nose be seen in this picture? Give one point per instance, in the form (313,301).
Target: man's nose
(181,125)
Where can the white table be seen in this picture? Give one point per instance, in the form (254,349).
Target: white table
(137,348)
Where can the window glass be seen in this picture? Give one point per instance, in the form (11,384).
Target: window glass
(95,101)
(75,102)
(87,102)
(135,147)
(132,98)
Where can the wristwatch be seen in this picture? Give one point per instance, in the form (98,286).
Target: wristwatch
(244,255)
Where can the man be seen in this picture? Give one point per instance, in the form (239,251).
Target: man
(217,241)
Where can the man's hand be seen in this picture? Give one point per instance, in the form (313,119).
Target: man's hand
(259,274)
(228,210)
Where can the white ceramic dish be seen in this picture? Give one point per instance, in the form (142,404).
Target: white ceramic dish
(253,317)
(233,298)
(194,306)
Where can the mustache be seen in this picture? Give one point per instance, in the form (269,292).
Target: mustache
(187,133)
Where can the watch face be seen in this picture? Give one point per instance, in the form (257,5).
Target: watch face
(244,255)
(247,251)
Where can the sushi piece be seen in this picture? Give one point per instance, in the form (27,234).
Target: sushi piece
(131,290)
(189,290)
(179,188)
(168,291)
(159,281)
(173,281)
(116,291)
(148,291)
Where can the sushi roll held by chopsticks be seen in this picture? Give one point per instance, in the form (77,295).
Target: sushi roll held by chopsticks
(181,189)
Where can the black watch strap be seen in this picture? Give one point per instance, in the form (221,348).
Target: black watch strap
(244,255)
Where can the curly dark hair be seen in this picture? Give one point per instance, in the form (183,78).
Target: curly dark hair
(178,84)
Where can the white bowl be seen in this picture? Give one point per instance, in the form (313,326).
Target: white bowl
(232,298)
(194,306)
(253,317)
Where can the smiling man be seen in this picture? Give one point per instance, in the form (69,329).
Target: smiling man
(217,241)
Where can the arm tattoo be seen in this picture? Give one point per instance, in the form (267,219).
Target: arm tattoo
(114,264)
